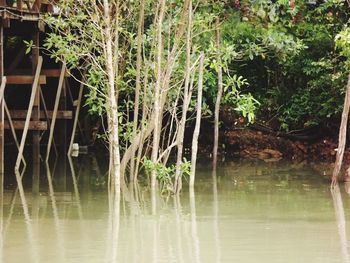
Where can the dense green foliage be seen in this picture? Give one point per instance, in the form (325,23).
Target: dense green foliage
(303,88)
(278,59)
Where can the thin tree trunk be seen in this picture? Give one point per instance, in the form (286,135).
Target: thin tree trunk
(181,133)
(112,97)
(218,96)
(342,136)
(140,145)
(172,133)
(157,96)
(138,82)
(198,123)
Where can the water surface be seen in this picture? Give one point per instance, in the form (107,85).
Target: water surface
(245,212)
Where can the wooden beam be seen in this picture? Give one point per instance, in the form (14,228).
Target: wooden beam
(54,73)
(76,119)
(50,8)
(2,119)
(36,6)
(41,26)
(47,118)
(19,15)
(6,22)
(13,130)
(19,4)
(55,109)
(48,73)
(33,125)
(21,114)
(24,80)
(36,117)
(30,109)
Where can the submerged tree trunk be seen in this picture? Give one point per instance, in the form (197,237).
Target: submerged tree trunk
(218,96)
(198,123)
(342,136)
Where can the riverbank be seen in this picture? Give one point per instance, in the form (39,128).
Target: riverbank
(249,143)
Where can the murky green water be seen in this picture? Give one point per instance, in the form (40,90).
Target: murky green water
(247,212)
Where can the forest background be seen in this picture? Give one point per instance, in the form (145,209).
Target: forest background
(153,68)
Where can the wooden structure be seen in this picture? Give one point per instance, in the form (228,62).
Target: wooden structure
(36,77)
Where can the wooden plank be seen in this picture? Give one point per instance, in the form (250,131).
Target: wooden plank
(24,80)
(48,73)
(54,73)
(33,125)
(63,115)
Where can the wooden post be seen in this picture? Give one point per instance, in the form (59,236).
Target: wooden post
(55,109)
(47,116)
(2,120)
(13,130)
(36,6)
(36,117)
(2,101)
(75,104)
(19,4)
(30,109)
(76,119)
(62,141)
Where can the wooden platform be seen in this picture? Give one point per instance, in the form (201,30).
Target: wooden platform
(25,10)
(23,19)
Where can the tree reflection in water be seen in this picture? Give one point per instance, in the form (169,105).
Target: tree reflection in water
(57,222)
(1,216)
(216,230)
(28,221)
(179,228)
(194,227)
(113,224)
(341,222)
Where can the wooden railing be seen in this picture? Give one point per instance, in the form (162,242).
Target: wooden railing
(29,5)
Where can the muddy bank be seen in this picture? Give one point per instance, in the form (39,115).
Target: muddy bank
(250,143)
